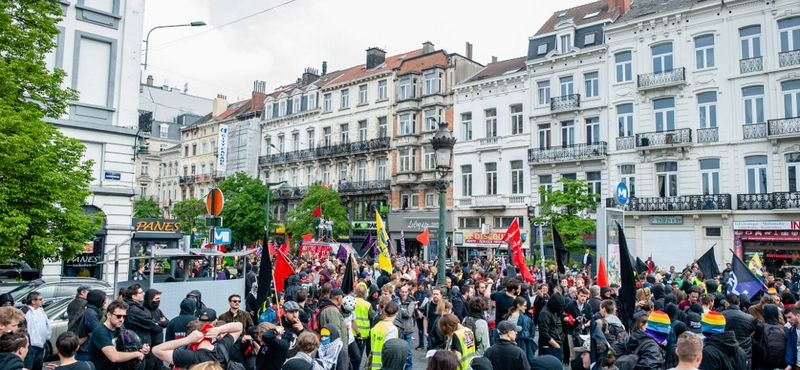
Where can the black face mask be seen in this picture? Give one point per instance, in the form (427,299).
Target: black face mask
(155,304)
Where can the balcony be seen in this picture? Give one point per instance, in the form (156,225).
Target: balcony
(368,145)
(491,201)
(778,200)
(190,179)
(488,142)
(664,138)
(708,135)
(751,65)
(754,130)
(676,76)
(565,103)
(711,202)
(789,58)
(568,153)
(325,151)
(783,126)
(219,175)
(364,186)
(625,143)
(181,180)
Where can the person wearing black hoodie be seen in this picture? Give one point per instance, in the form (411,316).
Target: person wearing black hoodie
(275,350)
(550,327)
(741,323)
(658,296)
(13,349)
(721,350)
(152,300)
(770,318)
(176,329)
(95,302)
(719,298)
(393,354)
(198,299)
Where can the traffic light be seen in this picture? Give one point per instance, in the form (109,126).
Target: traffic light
(531,212)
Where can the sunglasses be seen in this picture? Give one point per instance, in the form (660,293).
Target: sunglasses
(236,301)
(120,316)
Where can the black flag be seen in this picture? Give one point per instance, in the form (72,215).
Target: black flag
(627,290)
(348,279)
(264,278)
(562,254)
(708,264)
(641,266)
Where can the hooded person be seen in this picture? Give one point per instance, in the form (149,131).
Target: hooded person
(550,327)
(157,333)
(712,287)
(292,286)
(6,298)
(670,356)
(176,329)
(374,296)
(658,296)
(720,350)
(198,298)
(393,354)
(95,302)
(760,360)
(647,336)
(675,314)
(332,351)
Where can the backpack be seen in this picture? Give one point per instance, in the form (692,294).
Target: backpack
(630,360)
(314,324)
(226,358)
(267,314)
(773,346)
(77,322)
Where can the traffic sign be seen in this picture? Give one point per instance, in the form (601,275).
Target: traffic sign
(214,222)
(622,193)
(214,202)
(222,236)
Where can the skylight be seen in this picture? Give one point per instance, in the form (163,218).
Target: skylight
(510,71)
(592,14)
(562,14)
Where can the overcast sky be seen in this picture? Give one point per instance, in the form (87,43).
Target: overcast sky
(277,45)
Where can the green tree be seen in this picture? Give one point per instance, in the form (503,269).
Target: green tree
(245,207)
(146,208)
(187,211)
(44,179)
(568,208)
(302,223)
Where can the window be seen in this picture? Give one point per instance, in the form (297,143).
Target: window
(382,90)
(544,136)
(194,149)
(470,222)
(756,167)
(789,34)
(491,178)
(309,175)
(545,186)
(570,176)
(709,173)
(381,169)
(430,199)
(326,174)
(664,110)
(623,66)
(466,180)
(431,85)
(567,133)
(327,102)
(282,144)
(269,146)
(707,105)
(404,91)
(516,119)
(627,174)
(667,179)
(750,40)
(566,43)
(713,231)
(466,126)
(345,128)
(491,122)
(592,130)
(145,169)
(362,130)
(294,177)
(213,145)
(543,92)
(362,94)
(406,127)
(311,139)
(362,170)
(202,168)
(202,147)
(268,112)
(164,130)
(791,98)
(593,179)
(407,160)
(94,69)
(505,222)
(345,98)
(662,58)
(343,171)
(566,86)
(295,141)
(430,120)
(541,49)
(282,108)
(704,51)
(429,159)
(592,82)
(793,173)
(382,130)
(296,104)
(326,136)
(312,100)
(517,178)
(753,104)
(589,38)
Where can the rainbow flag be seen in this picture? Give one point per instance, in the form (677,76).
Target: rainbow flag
(384,260)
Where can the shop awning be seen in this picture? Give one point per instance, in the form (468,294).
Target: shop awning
(156,235)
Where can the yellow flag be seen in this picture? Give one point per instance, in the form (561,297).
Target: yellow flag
(755,264)
(383,246)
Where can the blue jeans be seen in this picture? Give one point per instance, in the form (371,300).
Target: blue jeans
(410,339)
(552,351)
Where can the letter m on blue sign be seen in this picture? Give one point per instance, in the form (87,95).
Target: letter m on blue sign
(622,193)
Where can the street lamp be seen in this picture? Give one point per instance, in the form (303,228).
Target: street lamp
(443,142)
(263,269)
(147,39)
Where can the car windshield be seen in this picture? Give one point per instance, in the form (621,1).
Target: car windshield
(54,309)
(22,291)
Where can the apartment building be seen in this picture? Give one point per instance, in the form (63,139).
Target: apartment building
(491,178)
(704,128)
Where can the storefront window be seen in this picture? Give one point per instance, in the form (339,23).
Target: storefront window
(88,263)
(144,248)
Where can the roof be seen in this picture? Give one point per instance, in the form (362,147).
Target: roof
(498,69)
(361,71)
(234,110)
(578,14)
(641,8)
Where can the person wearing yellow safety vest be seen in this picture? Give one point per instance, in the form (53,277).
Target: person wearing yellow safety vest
(364,315)
(383,331)
(458,338)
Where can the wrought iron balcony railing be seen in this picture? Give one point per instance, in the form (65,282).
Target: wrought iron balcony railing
(754,130)
(360,186)
(566,102)
(777,200)
(789,58)
(328,150)
(748,65)
(625,143)
(651,80)
(708,135)
(568,153)
(663,138)
(783,126)
(711,202)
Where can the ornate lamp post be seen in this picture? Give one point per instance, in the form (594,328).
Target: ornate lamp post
(443,142)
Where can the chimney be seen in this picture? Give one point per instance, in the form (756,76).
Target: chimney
(259,95)
(494,59)
(375,57)
(468,52)
(324,68)
(309,76)
(623,5)
(427,47)
(150,80)
(219,106)
(185,88)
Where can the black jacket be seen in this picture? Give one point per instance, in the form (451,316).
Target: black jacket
(176,328)
(140,321)
(274,351)
(10,361)
(550,321)
(721,352)
(650,354)
(594,303)
(76,305)
(743,325)
(157,334)
(505,355)
(580,316)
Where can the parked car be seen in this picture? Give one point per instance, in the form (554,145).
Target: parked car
(14,271)
(57,314)
(54,289)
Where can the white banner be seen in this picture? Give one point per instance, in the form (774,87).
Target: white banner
(222,151)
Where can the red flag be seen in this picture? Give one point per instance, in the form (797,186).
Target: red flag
(650,265)
(282,270)
(285,247)
(271,248)
(308,237)
(512,237)
(423,238)
(602,275)
(317,212)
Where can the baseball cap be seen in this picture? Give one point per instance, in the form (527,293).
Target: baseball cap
(406,277)
(84,287)
(207,314)
(507,326)
(337,292)
(291,306)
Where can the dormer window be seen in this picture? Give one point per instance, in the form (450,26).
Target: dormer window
(296,104)
(542,49)
(562,14)
(591,15)
(566,43)
(282,108)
